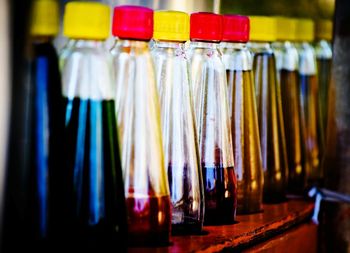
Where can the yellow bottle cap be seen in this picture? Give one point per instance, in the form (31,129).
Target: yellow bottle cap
(262,28)
(324,29)
(45,18)
(86,20)
(286,28)
(171,25)
(305,30)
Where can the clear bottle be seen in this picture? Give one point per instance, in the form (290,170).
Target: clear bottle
(323,50)
(244,119)
(35,152)
(269,108)
(145,178)
(309,101)
(94,204)
(212,117)
(287,66)
(180,143)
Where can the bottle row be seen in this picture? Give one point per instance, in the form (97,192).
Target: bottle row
(128,145)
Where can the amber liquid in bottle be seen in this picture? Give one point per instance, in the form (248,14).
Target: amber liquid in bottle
(311,124)
(293,128)
(324,66)
(245,139)
(271,128)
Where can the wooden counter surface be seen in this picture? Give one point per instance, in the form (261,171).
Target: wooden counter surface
(250,230)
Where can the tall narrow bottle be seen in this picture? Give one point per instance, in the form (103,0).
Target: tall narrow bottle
(287,67)
(269,108)
(323,50)
(244,119)
(213,120)
(171,31)
(31,175)
(145,178)
(93,212)
(309,101)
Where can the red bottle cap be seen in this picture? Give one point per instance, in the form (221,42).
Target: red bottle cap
(236,28)
(133,22)
(206,26)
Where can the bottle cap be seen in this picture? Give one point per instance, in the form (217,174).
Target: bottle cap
(235,28)
(206,26)
(305,30)
(324,29)
(286,28)
(262,28)
(45,18)
(133,22)
(171,25)
(86,20)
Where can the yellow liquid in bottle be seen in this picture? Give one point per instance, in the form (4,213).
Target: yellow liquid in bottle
(294,137)
(271,128)
(246,142)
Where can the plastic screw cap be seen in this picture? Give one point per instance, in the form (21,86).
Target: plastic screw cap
(171,26)
(206,26)
(86,20)
(133,22)
(305,30)
(286,28)
(262,28)
(236,28)
(324,29)
(45,18)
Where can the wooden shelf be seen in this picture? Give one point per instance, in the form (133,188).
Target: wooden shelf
(250,230)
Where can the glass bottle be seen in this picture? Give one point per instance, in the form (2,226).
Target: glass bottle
(323,50)
(171,31)
(309,101)
(94,204)
(31,169)
(269,108)
(213,121)
(287,67)
(146,185)
(244,119)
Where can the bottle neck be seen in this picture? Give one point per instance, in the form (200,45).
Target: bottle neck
(323,49)
(42,39)
(234,45)
(88,43)
(132,43)
(260,46)
(205,44)
(169,44)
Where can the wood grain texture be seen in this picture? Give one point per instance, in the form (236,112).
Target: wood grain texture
(301,239)
(250,230)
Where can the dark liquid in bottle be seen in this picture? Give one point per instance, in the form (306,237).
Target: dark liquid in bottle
(35,155)
(294,133)
(149,220)
(94,215)
(246,144)
(187,212)
(312,127)
(271,128)
(220,195)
